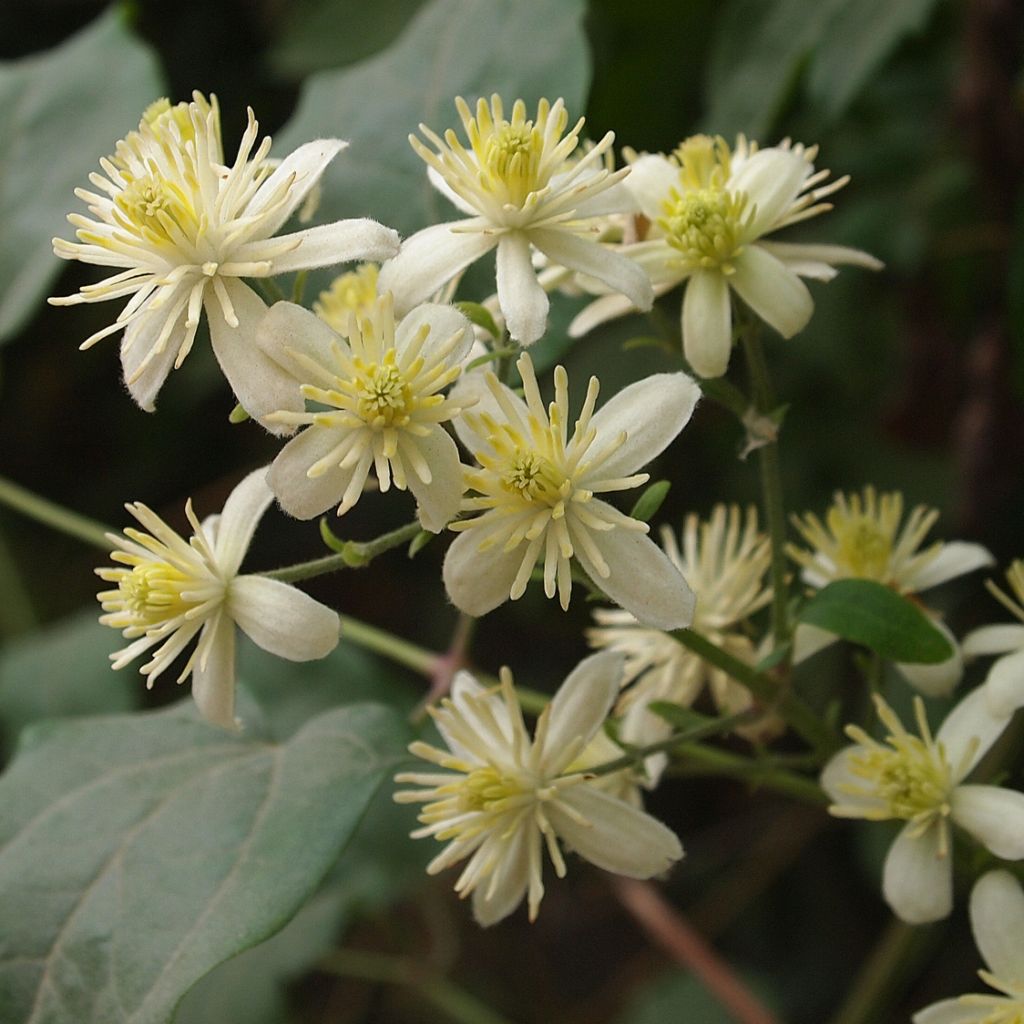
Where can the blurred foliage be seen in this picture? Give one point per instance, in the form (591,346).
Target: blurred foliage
(909,379)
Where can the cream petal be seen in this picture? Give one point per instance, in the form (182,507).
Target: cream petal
(997,920)
(440,499)
(808,640)
(600,311)
(282,619)
(837,779)
(298,494)
(595,260)
(819,261)
(772,291)
(615,200)
(258,382)
(499,894)
(651,412)
(213,684)
(916,881)
(139,337)
(579,708)
(237,523)
(955,558)
(707,323)
(449,193)
(1004,685)
(524,303)
(948,1011)
(994,816)
(938,680)
(972,723)
(619,837)
(642,579)
(478,581)
(290,328)
(443,321)
(326,245)
(650,180)
(997,639)
(772,179)
(307,164)
(428,259)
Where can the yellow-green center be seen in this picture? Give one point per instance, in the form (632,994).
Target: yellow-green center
(151,592)
(385,398)
(863,547)
(704,226)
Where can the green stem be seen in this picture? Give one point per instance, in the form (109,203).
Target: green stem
(354,555)
(299,287)
(771,479)
(767,689)
(51,514)
(380,641)
(444,995)
(726,394)
(17,614)
(695,759)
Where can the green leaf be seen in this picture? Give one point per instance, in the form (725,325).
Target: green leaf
(517,48)
(872,614)
(37,681)
(59,113)
(758,53)
(138,852)
(479,315)
(858,38)
(647,505)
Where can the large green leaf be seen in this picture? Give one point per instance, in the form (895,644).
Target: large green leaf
(872,614)
(138,852)
(860,35)
(517,48)
(59,113)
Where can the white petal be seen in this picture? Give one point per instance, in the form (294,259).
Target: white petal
(1004,685)
(237,523)
(288,327)
(428,259)
(772,178)
(478,581)
(651,412)
(615,200)
(580,707)
(307,164)
(997,639)
(808,640)
(439,500)
(298,494)
(916,882)
(650,180)
(328,244)
(772,291)
(606,265)
(600,311)
(449,193)
(444,321)
(258,382)
(818,260)
(642,580)
(837,779)
(510,879)
(994,816)
(707,323)
(524,303)
(947,1011)
(213,686)
(282,619)
(142,334)
(938,680)
(619,838)
(955,558)
(971,723)
(997,920)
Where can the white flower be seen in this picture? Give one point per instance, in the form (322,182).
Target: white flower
(381,386)
(724,559)
(521,186)
(504,797)
(919,779)
(864,537)
(536,494)
(186,228)
(1005,681)
(710,209)
(997,920)
(171,591)
(353,293)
